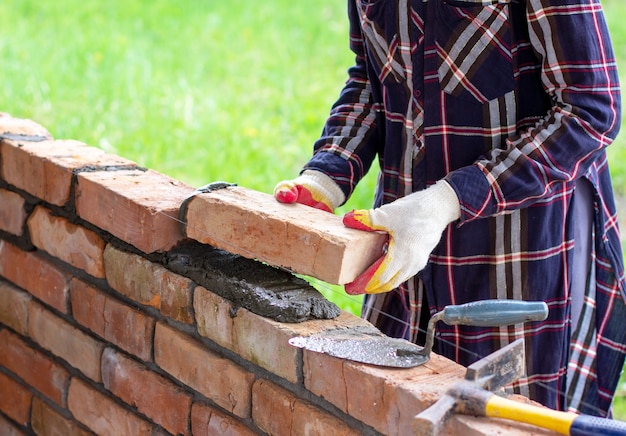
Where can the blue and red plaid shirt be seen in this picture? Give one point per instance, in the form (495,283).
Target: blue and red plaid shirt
(512,102)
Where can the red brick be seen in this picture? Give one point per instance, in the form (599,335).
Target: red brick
(15,400)
(278,411)
(7,428)
(149,284)
(152,395)
(310,420)
(101,414)
(12,213)
(46,421)
(35,275)
(208,421)
(266,342)
(65,341)
(112,320)
(45,169)
(220,380)
(305,240)
(14,308)
(35,369)
(21,126)
(73,244)
(272,408)
(138,207)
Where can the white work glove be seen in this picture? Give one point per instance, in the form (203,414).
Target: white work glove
(415,224)
(311,188)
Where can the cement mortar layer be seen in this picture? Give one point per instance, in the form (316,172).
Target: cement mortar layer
(260,288)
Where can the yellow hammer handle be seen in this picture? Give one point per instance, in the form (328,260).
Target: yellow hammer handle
(560,422)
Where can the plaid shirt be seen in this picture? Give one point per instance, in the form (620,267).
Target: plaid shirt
(512,102)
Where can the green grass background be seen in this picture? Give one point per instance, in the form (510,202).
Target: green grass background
(199,90)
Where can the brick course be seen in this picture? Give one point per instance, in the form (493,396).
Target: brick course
(98,334)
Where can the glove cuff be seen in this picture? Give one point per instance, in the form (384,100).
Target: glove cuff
(447,201)
(326,187)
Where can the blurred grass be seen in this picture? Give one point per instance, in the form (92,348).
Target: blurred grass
(199,90)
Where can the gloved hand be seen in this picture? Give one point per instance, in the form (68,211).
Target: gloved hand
(311,188)
(415,224)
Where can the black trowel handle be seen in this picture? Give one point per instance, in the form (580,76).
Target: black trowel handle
(494,313)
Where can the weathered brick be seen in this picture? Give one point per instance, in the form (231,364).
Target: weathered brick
(266,342)
(304,239)
(69,242)
(65,341)
(14,308)
(154,396)
(207,421)
(7,428)
(15,400)
(149,284)
(112,320)
(46,421)
(21,126)
(35,275)
(310,420)
(258,339)
(219,379)
(278,411)
(37,370)
(139,207)
(101,414)
(45,169)
(12,212)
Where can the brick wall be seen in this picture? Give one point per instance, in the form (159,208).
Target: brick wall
(98,334)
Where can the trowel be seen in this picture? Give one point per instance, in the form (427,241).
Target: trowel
(374,348)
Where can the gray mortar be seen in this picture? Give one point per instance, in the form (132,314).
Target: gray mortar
(260,288)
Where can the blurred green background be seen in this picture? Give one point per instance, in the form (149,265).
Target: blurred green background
(200,90)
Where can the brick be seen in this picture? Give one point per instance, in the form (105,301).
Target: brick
(310,420)
(101,414)
(15,400)
(149,284)
(122,325)
(34,368)
(278,411)
(207,421)
(65,341)
(12,213)
(303,239)
(152,395)
(272,408)
(218,379)
(45,169)
(14,308)
(32,273)
(266,342)
(69,242)
(138,207)
(7,428)
(46,421)
(21,126)
(258,339)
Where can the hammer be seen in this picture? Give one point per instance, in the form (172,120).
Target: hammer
(474,396)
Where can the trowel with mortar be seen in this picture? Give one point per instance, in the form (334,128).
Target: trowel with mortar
(374,348)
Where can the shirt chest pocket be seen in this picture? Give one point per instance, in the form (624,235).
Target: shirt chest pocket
(473,43)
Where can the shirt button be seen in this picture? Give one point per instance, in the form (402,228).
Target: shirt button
(417,93)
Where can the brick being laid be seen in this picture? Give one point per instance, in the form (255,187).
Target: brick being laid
(293,236)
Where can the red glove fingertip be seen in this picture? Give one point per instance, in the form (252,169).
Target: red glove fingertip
(287,195)
(350,220)
(358,286)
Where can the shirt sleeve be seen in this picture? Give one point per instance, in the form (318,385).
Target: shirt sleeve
(347,146)
(579,74)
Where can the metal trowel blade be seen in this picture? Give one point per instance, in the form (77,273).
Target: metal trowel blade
(373,350)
